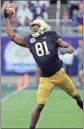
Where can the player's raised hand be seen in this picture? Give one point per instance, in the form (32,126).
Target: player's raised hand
(10,10)
(5,14)
(62,51)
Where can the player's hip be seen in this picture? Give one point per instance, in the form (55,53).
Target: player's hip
(49,71)
(57,78)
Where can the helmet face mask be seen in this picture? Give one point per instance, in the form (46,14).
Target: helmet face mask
(34,28)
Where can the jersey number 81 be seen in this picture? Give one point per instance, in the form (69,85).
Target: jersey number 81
(42,48)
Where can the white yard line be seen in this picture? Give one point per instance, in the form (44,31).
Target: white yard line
(10,95)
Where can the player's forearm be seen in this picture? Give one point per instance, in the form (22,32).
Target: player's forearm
(9,29)
(70,49)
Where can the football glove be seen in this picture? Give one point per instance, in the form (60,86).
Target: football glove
(5,14)
(62,51)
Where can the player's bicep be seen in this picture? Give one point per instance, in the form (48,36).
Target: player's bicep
(20,41)
(62,43)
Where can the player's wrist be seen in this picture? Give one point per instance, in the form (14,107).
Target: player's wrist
(67,50)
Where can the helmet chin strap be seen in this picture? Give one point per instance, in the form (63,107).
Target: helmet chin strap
(35,35)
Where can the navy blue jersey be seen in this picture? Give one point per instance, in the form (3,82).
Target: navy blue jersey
(44,49)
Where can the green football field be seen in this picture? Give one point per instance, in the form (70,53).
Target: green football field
(60,111)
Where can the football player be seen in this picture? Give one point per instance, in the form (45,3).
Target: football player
(44,47)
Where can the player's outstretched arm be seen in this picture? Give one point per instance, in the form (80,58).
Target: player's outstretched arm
(12,36)
(69,49)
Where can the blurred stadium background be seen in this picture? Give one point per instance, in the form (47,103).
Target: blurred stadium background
(19,76)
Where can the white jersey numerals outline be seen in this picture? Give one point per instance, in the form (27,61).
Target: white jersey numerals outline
(42,48)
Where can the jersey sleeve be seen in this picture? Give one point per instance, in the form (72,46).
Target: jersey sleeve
(57,35)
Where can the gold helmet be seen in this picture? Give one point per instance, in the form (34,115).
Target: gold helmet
(42,27)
